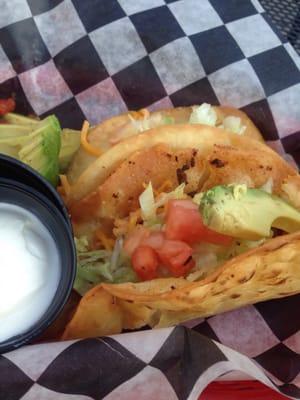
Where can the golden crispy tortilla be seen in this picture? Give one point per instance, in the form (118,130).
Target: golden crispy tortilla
(275,265)
(119,194)
(98,314)
(115,129)
(268,272)
(200,137)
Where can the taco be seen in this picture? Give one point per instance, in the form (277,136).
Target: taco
(111,131)
(182,221)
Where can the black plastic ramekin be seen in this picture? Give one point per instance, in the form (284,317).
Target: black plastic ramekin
(21,185)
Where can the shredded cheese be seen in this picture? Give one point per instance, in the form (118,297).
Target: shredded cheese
(106,242)
(121,227)
(132,222)
(85,144)
(141,114)
(166,186)
(133,219)
(127,224)
(65,187)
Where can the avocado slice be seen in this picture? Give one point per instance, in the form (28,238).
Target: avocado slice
(70,143)
(17,119)
(245,213)
(42,148)
(11,131)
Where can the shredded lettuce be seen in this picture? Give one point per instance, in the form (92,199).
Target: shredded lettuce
(205,264)
(147,203)
(116,254)
(97,266)
(203,114)
(125,274)
(197,198)
(150,121)
(141,125)
(241,246)
(209,256)
(233,124)
(268,186)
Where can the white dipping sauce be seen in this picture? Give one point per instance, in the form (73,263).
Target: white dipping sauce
(29,270)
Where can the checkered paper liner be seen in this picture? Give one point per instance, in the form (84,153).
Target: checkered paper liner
(96,58)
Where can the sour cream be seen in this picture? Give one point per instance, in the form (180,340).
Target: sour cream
(29,270)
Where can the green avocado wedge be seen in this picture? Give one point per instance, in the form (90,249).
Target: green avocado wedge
(245,213)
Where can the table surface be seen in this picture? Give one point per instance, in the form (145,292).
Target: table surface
(285,14)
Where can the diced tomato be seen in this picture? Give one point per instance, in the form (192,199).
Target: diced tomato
(155,240)
(135,239)
(145,262)
(184,222)
(6,106)
(216,237)
(176,256)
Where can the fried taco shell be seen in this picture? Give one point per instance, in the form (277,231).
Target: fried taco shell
(267,272)
(113,130)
